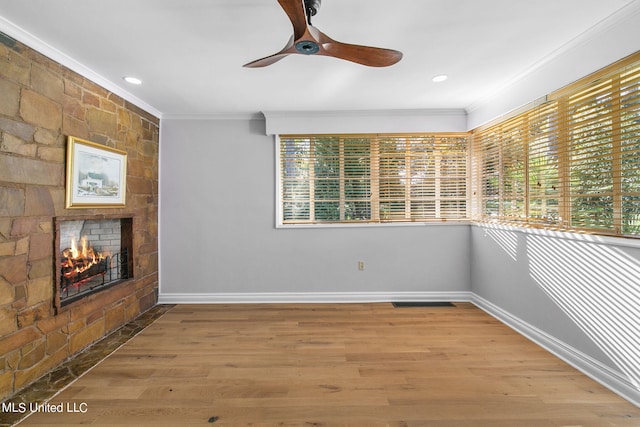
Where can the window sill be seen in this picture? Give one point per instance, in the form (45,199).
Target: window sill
(376,224)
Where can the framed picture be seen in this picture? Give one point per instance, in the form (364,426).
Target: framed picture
(96,175)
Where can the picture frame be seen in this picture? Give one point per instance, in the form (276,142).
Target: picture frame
(96,175)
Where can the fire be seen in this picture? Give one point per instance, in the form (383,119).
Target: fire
(76,260)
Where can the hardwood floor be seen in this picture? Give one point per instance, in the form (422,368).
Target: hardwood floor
(334,365)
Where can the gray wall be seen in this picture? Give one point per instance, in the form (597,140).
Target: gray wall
(218,234)
(576,289)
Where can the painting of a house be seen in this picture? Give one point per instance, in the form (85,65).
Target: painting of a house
(96,174)
(93,181)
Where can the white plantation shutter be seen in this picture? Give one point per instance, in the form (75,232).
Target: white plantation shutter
(373,178)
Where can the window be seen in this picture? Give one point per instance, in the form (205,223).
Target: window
(372,178)
(572,162)
(519,168)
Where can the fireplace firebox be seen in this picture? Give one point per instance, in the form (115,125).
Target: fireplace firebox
(92,254)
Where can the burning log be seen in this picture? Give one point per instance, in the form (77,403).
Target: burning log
(75,277)
(80,264)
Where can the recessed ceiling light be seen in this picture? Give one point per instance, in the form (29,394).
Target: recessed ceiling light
(439,78)
(132,80)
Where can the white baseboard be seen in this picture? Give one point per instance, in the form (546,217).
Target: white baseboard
(614,381)
(310,297)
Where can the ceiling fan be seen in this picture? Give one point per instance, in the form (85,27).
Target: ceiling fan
(308,40)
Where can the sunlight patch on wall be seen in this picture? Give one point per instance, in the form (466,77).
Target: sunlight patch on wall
(598,287)
(507,240)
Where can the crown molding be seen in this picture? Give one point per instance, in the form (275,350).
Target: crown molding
(570,62)
(215,116)
(28,39)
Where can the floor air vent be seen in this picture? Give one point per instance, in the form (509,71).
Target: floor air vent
(423,304)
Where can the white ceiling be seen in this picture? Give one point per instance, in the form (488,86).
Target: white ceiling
(190,53)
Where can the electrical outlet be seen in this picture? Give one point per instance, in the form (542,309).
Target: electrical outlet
(360,265)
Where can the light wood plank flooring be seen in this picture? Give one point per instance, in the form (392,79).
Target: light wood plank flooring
(334,365)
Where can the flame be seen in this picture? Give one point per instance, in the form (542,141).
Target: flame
(76,260)
(74,249)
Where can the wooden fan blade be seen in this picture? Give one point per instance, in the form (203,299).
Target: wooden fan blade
(296,13)
(268,60)
(365,55)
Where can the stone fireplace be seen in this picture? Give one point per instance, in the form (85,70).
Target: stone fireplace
(43,103)
(91,255)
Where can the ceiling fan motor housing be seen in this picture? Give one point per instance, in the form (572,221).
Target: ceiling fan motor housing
(307,47)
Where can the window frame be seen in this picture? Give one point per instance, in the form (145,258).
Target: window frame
(596,125)
(279,208)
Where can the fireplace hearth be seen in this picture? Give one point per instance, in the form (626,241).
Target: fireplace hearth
(93,254)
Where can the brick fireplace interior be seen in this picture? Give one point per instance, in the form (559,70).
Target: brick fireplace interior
(42,104)
(91,255)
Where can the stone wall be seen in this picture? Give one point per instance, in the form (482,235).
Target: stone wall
(41,102)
